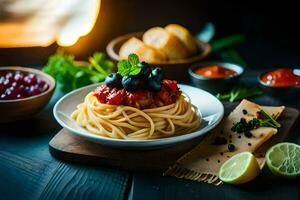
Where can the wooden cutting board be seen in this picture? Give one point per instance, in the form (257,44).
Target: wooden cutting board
(68,147)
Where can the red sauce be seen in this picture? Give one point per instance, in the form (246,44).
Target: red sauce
(281,78)
(141,98)
(215,71)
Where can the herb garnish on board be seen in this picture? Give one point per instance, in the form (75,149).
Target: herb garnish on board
(263,119)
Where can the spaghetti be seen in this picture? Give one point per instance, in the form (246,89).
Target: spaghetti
(126,122)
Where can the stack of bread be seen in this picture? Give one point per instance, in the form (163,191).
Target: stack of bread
(161,44)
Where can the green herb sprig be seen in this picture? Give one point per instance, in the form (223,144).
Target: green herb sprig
(267,120)
(129,67)
(263,119)
(239,93)
(71,75)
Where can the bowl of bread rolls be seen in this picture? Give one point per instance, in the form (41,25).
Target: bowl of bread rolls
(172,48)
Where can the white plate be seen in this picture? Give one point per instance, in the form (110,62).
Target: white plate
(210,107)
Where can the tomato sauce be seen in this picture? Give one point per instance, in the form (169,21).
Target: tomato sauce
(281,78)
(215,71)
(142,98)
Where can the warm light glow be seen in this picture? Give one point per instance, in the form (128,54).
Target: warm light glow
(67,39)
(69,35)
(42,22)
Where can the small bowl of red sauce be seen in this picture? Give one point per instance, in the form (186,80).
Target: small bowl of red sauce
(215,76)
(23,92)
(281,82)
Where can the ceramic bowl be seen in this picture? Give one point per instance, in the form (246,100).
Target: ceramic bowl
(211,116)
(19,109)
(279,92)
(215,85)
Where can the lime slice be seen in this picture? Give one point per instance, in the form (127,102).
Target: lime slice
(283,159)
(239,169)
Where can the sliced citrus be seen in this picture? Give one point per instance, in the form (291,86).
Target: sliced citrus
(283,159)
(239,169)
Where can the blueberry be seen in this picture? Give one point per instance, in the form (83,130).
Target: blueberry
(145,69)
(157,74)
(131,83)
(153,84)
(114,80)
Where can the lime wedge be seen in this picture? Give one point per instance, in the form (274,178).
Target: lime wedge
(239,169)
(283,159)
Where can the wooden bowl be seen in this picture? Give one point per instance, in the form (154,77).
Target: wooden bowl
(19,109)
(174,69)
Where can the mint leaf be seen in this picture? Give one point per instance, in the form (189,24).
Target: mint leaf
(133,59)
(124,68)
(130,66)
(135,71)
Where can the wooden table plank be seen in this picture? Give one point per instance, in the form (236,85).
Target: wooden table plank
(266,186)
(24,177)
(28,171)
(78,182)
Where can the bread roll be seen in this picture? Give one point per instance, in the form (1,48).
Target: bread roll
(144,52)
(130,46)
(166,42)
(184,36)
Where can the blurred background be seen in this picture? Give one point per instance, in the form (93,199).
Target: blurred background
(32,30)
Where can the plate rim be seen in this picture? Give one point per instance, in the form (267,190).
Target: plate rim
(121,142)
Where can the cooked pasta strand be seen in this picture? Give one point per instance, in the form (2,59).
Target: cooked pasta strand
(125,122)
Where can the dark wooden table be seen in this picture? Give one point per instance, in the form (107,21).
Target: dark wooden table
(28,171)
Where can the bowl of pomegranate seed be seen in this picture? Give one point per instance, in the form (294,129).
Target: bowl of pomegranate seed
(23,92)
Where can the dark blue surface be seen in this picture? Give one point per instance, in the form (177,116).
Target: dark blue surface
(28,171)
(266,186)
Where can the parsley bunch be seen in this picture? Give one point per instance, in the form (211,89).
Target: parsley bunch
(70,75)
